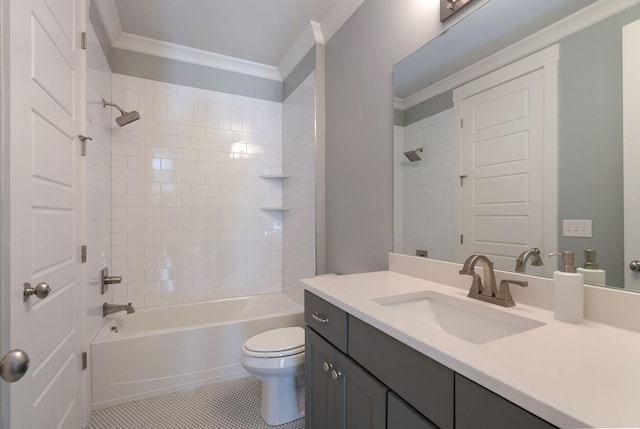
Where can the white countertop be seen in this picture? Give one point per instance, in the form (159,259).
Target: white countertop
(572,375)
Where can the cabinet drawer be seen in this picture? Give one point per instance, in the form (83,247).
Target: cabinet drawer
(401,416)
(422,382)
(477,407)
(326,319)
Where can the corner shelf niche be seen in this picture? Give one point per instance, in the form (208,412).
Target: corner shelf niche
(274,209)
(274,176)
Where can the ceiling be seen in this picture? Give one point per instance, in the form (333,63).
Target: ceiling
(494,26)
(261,31)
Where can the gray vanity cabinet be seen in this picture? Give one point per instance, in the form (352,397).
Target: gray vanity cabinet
(401,416)
(339,394)
(419,380)
(358,377)
(477,407)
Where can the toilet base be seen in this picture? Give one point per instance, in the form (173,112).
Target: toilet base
(282,399)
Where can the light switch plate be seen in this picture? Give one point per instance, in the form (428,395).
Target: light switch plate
(576,228)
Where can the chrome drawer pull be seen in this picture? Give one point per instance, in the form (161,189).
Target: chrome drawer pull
(326,366)
(318,318)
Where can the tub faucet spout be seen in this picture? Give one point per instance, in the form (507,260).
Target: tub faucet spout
(113,308)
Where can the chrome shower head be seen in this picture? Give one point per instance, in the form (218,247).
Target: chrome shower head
(412,155)
(126,117)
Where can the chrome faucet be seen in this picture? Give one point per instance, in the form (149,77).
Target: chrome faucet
(113,308)
(489,288)
(536,260)
(488,292)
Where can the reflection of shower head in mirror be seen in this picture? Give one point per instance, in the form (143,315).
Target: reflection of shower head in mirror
(412,155)
(126,117)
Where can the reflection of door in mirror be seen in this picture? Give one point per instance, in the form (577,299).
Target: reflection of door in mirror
(507,161)
(631,139)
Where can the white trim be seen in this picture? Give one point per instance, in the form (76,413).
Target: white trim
(398,103)
(110,18)
(311,35)
(173,51)
(577,21)
(547,60)
(317,32)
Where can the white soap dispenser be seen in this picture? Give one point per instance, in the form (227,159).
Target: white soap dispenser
(568,290)
(591,271)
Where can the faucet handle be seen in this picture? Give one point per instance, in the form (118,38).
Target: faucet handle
(504,293)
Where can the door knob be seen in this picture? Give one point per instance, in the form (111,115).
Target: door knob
(326,366)
(14,365)
(40,291)
(634,266)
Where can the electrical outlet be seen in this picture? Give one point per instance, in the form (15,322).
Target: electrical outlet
(576,228)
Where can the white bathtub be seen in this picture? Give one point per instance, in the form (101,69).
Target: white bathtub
(161,350)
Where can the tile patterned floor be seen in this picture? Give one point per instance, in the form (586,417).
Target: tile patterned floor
(233,404)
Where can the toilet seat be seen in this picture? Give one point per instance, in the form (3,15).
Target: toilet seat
(275,343)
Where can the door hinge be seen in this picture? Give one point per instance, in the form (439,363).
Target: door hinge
(84,360)
(83,253)
(461,123)
(461,239)
(83,144)
(462,179)
(83,40)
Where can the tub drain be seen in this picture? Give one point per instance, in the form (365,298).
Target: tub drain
(114,329)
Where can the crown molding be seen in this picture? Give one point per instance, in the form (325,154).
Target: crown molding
(172,51)
(318,33)
(110,19)
(577,21)
(311,35)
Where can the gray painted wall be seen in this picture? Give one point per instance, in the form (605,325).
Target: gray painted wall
(590,127)
(429,107)
(166,70)
(359,128)
(359,154)
(98,27)
(299,73)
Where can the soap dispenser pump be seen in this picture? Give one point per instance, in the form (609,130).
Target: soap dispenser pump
(591,271)
(568,290)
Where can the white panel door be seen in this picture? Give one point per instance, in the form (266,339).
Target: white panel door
(502,158)
(631,139)
(45,210)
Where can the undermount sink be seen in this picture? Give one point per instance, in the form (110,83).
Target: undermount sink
(466,320)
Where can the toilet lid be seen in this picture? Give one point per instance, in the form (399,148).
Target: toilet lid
(277,342)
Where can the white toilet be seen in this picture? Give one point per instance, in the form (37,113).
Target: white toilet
(277,358)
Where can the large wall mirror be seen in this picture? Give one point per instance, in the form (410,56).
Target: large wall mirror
(509,136)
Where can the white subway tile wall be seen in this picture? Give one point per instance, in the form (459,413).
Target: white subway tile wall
(187,192)
(427,199)
(299,232)
(98,171)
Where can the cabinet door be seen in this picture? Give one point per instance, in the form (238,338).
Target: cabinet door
(320,410)
(477,407)
(401,416)
(422,382)
(361,399)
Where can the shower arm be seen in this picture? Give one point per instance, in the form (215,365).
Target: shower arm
(105,103)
